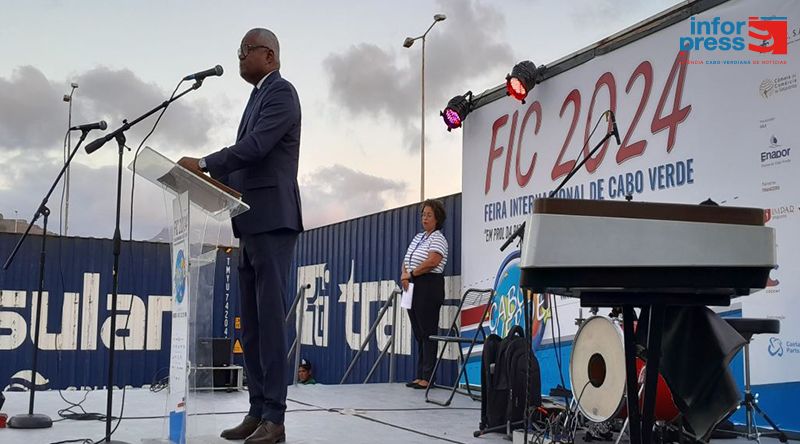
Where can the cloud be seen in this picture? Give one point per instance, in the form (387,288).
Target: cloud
(92,197)
(336,193)
(114,95)
(33,115)
(367,80)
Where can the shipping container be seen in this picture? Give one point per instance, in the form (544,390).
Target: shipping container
(352,267)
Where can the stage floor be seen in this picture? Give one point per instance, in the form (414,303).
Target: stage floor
(372,413)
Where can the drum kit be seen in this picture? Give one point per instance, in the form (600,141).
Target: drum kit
(597,375)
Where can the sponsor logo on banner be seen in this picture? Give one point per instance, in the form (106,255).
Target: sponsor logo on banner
(778,347)
(793,36)
(763,123)
(771,87)
(769,186)
(775,153)
(775,347)
(780,212)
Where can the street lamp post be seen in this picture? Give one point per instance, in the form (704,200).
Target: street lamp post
(407,44)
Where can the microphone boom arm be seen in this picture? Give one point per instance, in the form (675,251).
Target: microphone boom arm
(521,230)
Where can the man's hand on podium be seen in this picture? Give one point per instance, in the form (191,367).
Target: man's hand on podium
(191,164)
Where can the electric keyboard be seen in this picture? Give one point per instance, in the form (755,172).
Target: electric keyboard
(574,246)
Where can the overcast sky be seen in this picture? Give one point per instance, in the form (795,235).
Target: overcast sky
(359,90)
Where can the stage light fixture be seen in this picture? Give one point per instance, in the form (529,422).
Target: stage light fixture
(524,76)
(456,111)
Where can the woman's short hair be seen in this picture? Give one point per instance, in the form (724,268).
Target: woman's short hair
(438,211)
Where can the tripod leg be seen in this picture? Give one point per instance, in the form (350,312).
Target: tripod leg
(781,436)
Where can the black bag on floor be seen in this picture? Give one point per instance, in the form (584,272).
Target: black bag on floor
(491,400)
(503,386)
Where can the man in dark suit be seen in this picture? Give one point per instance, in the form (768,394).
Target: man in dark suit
(262,165)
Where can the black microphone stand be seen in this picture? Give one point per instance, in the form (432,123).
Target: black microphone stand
(38,420)
(520,233)
(119,135)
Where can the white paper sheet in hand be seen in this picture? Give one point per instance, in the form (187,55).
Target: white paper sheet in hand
(408,295)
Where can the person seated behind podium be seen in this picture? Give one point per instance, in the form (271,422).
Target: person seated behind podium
(304,375)
(423,265)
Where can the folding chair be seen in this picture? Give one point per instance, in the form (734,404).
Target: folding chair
(472,297)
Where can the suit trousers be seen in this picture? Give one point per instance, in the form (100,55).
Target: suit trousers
(424,314)
(264,261)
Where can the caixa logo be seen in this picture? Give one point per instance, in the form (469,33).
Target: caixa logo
(768,35)
(775,347)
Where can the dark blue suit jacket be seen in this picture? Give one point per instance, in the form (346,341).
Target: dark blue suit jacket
(262,165)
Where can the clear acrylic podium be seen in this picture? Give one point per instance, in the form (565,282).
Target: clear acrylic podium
(200,210)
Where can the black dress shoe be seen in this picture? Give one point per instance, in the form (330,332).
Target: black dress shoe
(246,428)
(411,384)
(267,433)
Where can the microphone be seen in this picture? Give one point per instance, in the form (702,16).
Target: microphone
(614,129)
(215,71)
(101,125)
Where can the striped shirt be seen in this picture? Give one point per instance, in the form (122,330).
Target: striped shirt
(421,245)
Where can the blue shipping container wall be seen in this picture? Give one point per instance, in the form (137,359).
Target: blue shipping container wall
(352,266)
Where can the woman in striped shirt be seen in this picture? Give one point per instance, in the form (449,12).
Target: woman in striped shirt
(423,265)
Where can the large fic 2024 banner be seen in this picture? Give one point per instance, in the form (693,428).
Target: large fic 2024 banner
(706,108)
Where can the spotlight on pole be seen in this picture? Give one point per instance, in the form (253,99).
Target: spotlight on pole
(522,79)
(456,111)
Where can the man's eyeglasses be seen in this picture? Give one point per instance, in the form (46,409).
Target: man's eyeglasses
(244,50)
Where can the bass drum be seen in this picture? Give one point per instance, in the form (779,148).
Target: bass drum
(597,373)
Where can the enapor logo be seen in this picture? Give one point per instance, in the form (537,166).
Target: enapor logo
(775,347)
(768,34)
(773,142)
(776,154)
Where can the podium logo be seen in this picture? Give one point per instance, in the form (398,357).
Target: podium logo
(180,276)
